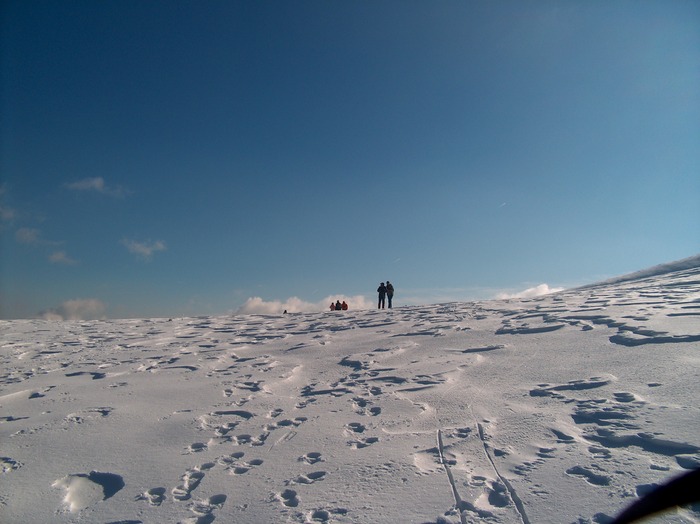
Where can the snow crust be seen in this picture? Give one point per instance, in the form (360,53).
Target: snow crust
(563,408)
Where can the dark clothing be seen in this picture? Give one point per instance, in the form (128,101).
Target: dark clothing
(389,293)
(382,293)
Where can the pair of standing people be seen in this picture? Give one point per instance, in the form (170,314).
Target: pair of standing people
(385,292)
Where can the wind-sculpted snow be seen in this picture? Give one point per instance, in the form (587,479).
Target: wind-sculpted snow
(562,408)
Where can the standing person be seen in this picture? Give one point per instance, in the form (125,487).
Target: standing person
(389,293)
(382,293)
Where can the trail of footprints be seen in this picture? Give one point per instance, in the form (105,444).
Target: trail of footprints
(236,464)
(222,424)
(366,383)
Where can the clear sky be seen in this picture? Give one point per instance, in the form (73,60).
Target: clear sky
(180,157)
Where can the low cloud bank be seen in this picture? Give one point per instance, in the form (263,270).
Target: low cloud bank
(532,292)
(79,309)
(258,306)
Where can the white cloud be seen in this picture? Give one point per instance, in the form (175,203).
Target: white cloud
(60,257)
(7,214)
(33,237)
(96,184)
(532,292)
(26,235)
(144,249)
(258,306)
(79,309)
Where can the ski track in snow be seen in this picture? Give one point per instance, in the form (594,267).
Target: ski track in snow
(556,409)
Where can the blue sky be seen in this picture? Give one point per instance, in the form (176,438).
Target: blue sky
(178,158)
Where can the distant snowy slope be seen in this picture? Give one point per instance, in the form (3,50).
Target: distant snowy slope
(662,269)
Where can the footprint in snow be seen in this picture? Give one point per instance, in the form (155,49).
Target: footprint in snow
(362,406)
(305,403)
(196,448)
(236,466)
(600,452)
(355,427)
(289,498)
(190,481)
(9,464)
(207,506)
(363,442)
(324,515)
(154,496)
(275,413)
(311,458)
(589,476)
(88,414)
(308,478)
(286,423)
(460,432)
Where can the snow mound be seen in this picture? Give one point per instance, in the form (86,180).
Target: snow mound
(83,491)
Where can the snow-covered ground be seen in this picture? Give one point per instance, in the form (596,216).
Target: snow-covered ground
(560,409)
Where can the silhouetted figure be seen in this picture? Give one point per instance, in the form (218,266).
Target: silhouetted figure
(382,295)
(338,306)
(344,305)
(389,293)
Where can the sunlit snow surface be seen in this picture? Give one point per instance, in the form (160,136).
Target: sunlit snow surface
(561,409)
